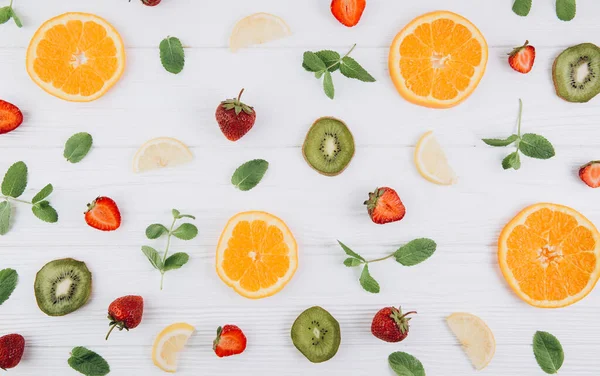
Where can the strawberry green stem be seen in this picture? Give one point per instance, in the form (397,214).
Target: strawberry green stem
(110,331)
(408,313)
(10,5)
(162,272)
(240,95)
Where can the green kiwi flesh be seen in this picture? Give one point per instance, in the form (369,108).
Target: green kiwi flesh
(329,146)
(576,73)
(62,286)
(316,334)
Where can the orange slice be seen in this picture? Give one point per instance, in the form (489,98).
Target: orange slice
(550,255)
(438,59)
(257,254)
(76,57)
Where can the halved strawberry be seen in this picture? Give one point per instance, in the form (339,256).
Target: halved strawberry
(590,174)
(230,341)
(348,12)
(10,117)
(384,206)
(103,214)
(522,58)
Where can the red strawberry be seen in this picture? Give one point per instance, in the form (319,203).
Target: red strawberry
(150,3)
(348,12)
(103,214)
(125,313)
(385,206)
(230,341)
(521,58)
(590,174)
(11,350)
(235,118)
(10,117)
(390,325)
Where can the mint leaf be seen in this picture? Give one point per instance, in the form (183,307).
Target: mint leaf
(565,9)
(4,217)
(404,364)
(352,69)
(153,257)
(175,213)
(367,282)
(330,58)
(536,146)
(5,14)
(77,147)
(172,56)
(15,180)
(522,7)
(44,211)
(248,175)
(16,18)
(186,231)
(176,261)
(350,252)
(415,251)
(548,352)
(328,85)
(500,142)
(155,231)
(352,262)
(8,283)
(88,362)
(512,161)
(312,63)
(45,192)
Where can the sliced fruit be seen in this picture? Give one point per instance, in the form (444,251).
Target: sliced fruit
(329,146)
(10,117)
(230,340)
(431,161)
(257,28)
(103,214)
(438,59)
(169,343)
(385,206)
(159,153)
(76,57)
(521,58)
(316,334)
(590,174)
(475,336)
(257,254)
(576,73)
(550,255)
(348,12)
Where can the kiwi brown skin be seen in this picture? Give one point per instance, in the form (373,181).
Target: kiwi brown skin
(306,137)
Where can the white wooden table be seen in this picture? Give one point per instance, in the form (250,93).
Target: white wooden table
(464,219)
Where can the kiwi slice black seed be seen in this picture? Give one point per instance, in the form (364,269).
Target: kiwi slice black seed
(62,286)
(576,73)
(316,334)
(329,146)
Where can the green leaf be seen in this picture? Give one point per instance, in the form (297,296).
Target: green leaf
(176,261)
(15,180)
(186,231)
(88,362)
(352,69)
(548,352)
(350,252)
(16,18)
(405,364)
(500,142)
(5,14)
(155,231)
(312,63)
(536,146)
(566,9)
(8,282)
(513,160)
(153,257)
(175,213)
(328,85)
(45,192)
(330,58)
(172,56)
(367,282)
(522,7)
(248,175)
(352,262)
(44,211)
(415,251)
(77,147)
(4,217)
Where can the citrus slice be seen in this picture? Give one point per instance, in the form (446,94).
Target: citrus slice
(76,57)
(475,336)
(438,59)
(550,255)
(431,161)
(257,254)
(159,153)
(257,28)
(169,343)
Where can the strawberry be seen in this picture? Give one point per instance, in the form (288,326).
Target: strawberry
(150,3)
(590,174)
(230,341)
(11,350)
(10,117)
(385,206)
(125,313)
(521,58)
(390,325)
(235,118)
(348,12)
(103,214)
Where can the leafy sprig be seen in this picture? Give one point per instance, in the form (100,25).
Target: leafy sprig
(324,63)
(412,253)
(565,9)
(13,186)
(8,12)
(548,352)
(530,144)
(185,231)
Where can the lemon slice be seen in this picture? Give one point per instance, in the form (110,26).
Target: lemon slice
(475,337)
(161,152)
(431,161)
(257,28)
(169,343)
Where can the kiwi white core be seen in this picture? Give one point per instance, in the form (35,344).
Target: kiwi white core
(62,288)
(582,71)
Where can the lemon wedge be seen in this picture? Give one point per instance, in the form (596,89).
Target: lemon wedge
(431,161)
(159,153)
(257,28)
(169,343)
(475,336)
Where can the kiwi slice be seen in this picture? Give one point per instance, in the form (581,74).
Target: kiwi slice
(62,286)
(576,73)
(316,334)
(329,146)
